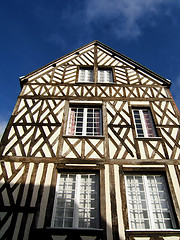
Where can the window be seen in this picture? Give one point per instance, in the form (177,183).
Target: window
(85,75)
(105,75)
(149,206)
(85,121)
(144,123)
(77,201)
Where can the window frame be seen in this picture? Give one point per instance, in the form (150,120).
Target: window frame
(104,69)
(75,222)
(85,117)
(87,70)
(143,123)
(149,205)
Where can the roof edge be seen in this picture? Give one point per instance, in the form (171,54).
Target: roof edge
(138,65)
(54,61)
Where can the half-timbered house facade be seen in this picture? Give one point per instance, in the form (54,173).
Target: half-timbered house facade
(91,151)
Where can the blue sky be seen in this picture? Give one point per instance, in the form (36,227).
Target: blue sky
(36,32)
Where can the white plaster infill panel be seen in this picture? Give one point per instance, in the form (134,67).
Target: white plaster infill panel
(175,183)
(45,195)
(108,205)
(119,203)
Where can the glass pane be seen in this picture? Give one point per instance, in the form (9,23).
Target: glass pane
(88,207)
(68,222)
(137,206)
(159,202)
(72,122)
(86,75)
(138,123)
(149,125)
(148,202)
(105,75)
(58,222)
(82,75)
(77,201)
(78,118)
(76,121)
(93,121)
(101,76)
(65,200)
(89,77)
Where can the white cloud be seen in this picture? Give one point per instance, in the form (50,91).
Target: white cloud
(120,18)
(57,38)
(128,16)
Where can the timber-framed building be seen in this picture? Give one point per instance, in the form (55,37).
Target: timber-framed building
(91,151)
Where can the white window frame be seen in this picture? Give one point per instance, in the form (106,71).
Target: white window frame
(85,114)
(105,74)
(144,128)
(77,201)
(149,204)
(88,75)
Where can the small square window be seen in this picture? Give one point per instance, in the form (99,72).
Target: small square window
(144,123)
(85,75)
(85,120)
(105,75)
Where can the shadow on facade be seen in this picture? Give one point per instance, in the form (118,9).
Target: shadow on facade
(21,221)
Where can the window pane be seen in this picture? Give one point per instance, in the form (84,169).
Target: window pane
(85,75)
(65,201)
(105,75)
(76,121)
(138,123)
(149,124)
(137,206)
(148,202)
(88,206)
(85,121)
(93,121)
(159,201)
(143,122)
(77,201)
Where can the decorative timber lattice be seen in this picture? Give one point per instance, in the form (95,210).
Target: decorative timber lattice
(35,129)
(120,131)
(168,123)
(91,90)
(83,148)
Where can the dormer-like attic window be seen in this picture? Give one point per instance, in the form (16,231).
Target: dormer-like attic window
(105,75)
(85,75)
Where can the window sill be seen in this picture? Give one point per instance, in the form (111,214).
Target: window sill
(85,82)
(151,233)
(98,83)
(148,138)
(48,232)
(84,136)
(108,83)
